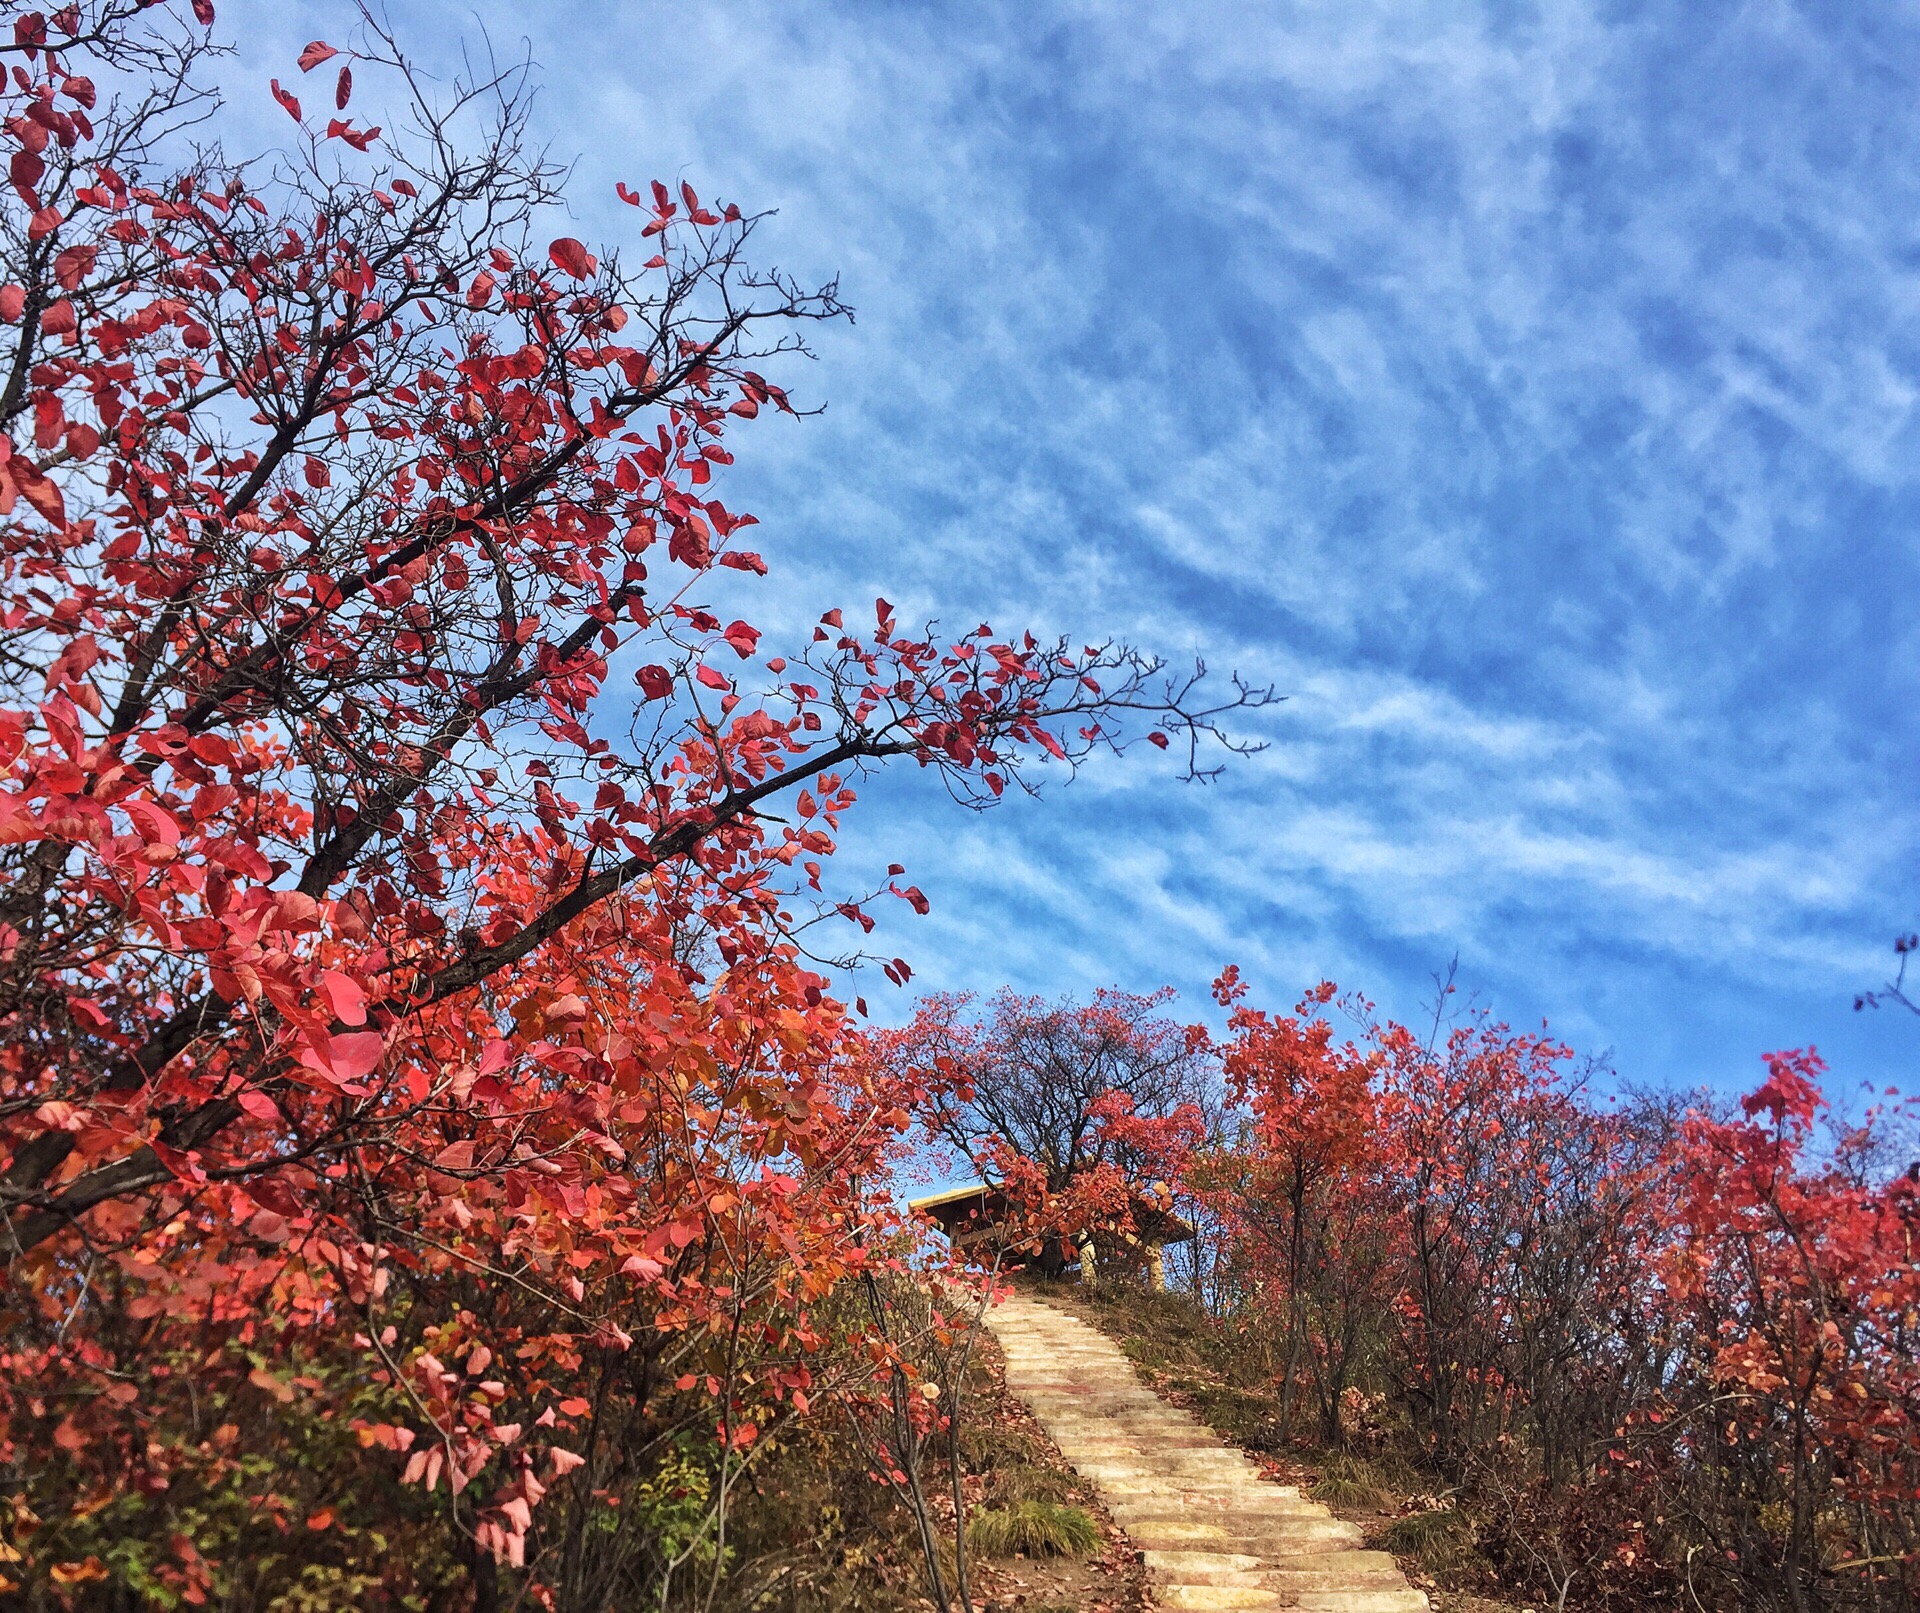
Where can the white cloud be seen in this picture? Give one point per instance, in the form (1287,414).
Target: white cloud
(1529,392)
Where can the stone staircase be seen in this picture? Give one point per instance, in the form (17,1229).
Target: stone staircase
(1214,1533)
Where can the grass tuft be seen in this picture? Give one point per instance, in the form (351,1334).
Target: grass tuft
(986,1447)
(1032,1529)
(1440,1540)
(1007,1485)
(1351,1481)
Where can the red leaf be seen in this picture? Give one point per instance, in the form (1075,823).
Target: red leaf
(743,638)
(38,491)
(291,103)
(359,139)
(354,1055)
(89,1011)
(1157,738)
(73,266)
(711,678)
(26,169)
(258,1104)
(573,258)
(49,420)
(656,682)
(317,52)
(154,824)
(13,303)
(343,89)
(203,12)
(344,996)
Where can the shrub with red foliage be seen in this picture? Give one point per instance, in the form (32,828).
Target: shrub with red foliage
(1669,1356)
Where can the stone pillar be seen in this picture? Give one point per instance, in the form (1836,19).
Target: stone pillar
(1089,1265)
(1156,1269)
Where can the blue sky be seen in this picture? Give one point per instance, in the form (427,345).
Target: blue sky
(1528,391)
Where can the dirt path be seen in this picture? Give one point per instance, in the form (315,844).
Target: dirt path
(1215,1535)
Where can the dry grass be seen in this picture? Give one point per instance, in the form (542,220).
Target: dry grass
(989,1447)
(1033,1528)
(1006,1485)
(1353,1482)
(1441,1541)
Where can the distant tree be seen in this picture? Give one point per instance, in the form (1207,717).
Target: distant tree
(1295,1197)
(1056,1099)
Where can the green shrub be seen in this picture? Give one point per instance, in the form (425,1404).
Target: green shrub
(1032,1528)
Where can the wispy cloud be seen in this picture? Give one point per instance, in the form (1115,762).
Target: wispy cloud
(1529,390)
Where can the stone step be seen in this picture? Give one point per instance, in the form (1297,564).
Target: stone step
(1289,1582)
(1221,1490)
(1218,1598)
(1258,1518)
(1214,1534)
(1199,1496)
(1275,1534)
(1204,1504)
(1273,1537)
(1181,1465)
(1203,1567)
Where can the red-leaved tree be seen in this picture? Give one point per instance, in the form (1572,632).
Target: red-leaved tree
(395,1013)
(1299,1196)
(1077,1112)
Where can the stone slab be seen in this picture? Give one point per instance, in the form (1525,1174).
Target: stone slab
(1215,1536)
